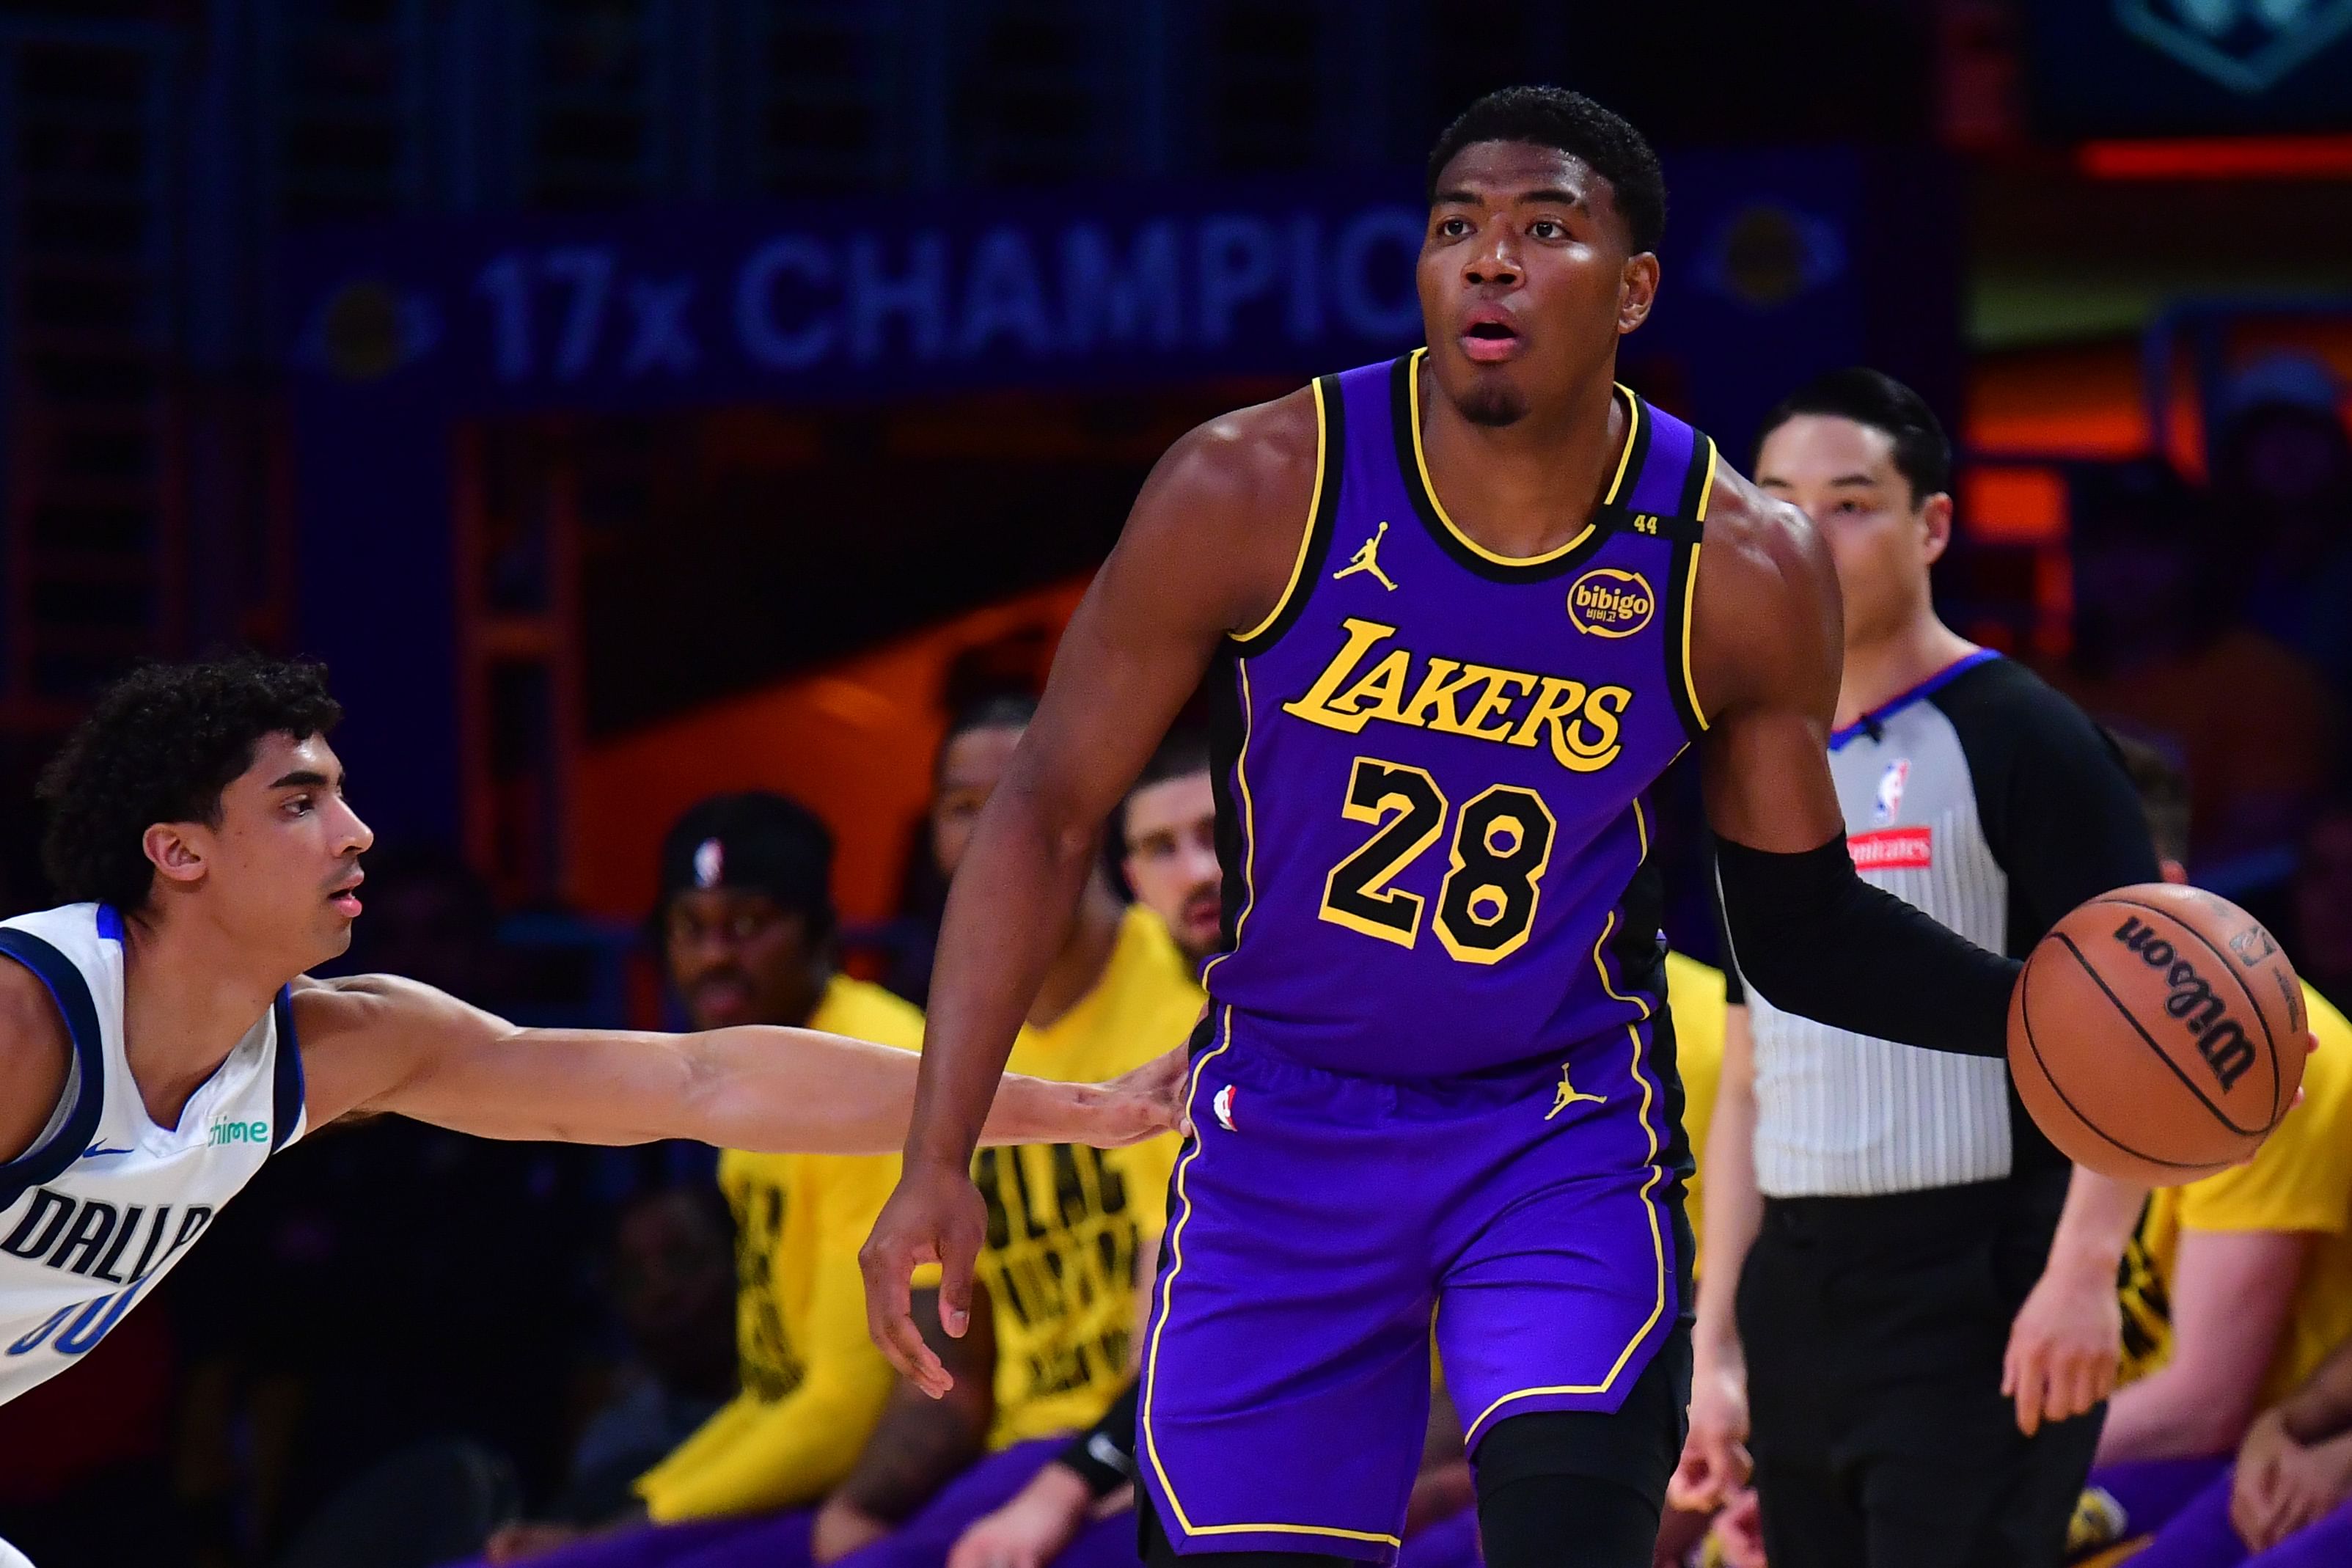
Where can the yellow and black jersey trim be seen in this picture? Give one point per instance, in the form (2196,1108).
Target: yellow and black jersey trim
(1412,468)
(1322,511)
(1682,587)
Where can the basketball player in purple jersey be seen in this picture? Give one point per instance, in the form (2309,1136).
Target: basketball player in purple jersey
(1459,622)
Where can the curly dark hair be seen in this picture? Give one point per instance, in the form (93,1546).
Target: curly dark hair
(160,745)
(1573,123)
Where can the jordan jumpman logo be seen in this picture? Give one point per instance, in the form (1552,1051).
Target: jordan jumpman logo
(1568,1096)
(1367,559)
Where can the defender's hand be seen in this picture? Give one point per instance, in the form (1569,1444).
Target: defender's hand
(2064,1347)
(1143,1104)
(1715,1462)
(935,1216)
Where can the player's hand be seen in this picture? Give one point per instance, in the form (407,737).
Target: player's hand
(935,1216)
(2064,1346)
(841,1527)
(2254,1482)
(1031,1531)
(1715,1460)
(1738,1531)
(2281,1486)
(1143,1104)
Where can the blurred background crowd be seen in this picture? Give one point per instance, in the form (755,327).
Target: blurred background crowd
(641,402)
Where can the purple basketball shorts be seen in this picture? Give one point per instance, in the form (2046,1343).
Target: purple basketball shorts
(1321,1226)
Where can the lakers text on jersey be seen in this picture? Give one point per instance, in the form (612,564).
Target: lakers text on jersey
(1432,776)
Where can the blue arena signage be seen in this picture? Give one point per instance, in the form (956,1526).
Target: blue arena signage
(707,304)
(398,332)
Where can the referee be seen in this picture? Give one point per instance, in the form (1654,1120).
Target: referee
(1906,1288)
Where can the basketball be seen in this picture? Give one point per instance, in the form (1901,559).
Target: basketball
(2157,1034)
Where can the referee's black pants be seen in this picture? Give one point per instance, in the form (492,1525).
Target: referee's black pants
(1874,1330)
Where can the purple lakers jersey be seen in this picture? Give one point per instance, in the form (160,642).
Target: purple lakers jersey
(1432,758)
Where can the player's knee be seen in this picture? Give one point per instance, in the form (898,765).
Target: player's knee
(1566,1521)
(1635,1448)
(1572,1488)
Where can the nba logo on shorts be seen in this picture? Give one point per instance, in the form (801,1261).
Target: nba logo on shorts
(1222,1104)
(1890,790)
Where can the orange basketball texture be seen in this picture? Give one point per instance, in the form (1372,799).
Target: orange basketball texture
(2157,1034)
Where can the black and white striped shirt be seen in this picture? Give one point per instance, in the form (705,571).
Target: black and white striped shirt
(1987,800)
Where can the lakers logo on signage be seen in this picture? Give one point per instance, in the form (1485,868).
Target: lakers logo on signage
(1611,604)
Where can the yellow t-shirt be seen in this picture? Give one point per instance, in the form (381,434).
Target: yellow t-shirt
(2301,1180)
(812,1384)
(1072,1230)
(1694,993)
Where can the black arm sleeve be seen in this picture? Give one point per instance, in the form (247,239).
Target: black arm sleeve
(2059,812)
(1812,938)
(1104,1454)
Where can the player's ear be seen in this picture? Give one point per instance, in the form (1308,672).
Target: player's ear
(1936,514)
(173,850)
(1637,290)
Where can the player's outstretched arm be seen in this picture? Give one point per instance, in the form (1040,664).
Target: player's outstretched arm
(377,1043)
(1207,550)
(1812,936)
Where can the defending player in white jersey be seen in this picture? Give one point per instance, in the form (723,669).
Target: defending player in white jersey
(158,1039)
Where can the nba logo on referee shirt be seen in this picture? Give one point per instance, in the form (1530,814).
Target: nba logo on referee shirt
(1890,790)
(1223,1105)
(1889,849)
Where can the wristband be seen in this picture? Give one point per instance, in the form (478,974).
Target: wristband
(1104,1455)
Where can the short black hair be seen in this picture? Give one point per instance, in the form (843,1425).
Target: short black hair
(992,710)
(1182,752)
(998,710)
(1573,123)
(160,745)
(2163,793)
(1923,453)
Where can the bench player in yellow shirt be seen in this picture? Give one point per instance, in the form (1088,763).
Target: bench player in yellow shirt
(746,922)
(2236,1287)
(1071,1236)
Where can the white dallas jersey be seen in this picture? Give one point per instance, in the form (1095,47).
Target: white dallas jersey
(105,1201)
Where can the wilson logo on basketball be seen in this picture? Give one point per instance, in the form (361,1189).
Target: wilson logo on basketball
(1893,849)
(2220,1039)
(1609,602)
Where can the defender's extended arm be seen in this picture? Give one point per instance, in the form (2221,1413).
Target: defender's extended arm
(378,1042)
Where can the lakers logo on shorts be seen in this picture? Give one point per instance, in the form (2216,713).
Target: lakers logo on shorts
(1609,602)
